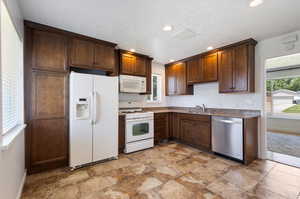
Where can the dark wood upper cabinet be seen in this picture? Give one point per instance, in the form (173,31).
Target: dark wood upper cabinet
(241,67)
(181,84)
(91,55)
(104,57)
(149,76)
(127,63)
(176,82)
(140,67)
(194,70)
(49,51)
(210,67)
(81,53)
(133,63)
(226,70)
(236,68)
(202,69)
(233,66)
(170,80)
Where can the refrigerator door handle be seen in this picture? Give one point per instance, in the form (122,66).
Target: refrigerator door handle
(94,107)
(91,108)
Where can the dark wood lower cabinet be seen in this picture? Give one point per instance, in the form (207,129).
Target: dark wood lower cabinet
(195,130)
(122,127)
(161,127)
(48,144)
(250,139)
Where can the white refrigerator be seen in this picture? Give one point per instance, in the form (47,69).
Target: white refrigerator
(94,104)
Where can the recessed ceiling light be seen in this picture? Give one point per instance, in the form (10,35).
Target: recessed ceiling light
(210,48)
(167,28)
(132,50)
(255,3)
(171,60)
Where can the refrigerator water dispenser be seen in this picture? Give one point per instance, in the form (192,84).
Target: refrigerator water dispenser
(82,109)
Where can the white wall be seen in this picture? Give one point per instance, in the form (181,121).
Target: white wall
(208,94)
(12,161)
(136,100)
(12,169)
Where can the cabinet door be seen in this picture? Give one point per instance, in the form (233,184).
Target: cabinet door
(175,131)
(170,80)
(140,66)
(240,82)
(81,53)
(49,91)
(149,76)
(128,64)
(49,51)
(104,57)
(47,139)
(210,67)
(122,127)
(181,84)
(48,144)
(195,130)
(161,127)
(194,71)
(226,62)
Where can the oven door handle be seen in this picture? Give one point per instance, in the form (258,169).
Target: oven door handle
(138,120)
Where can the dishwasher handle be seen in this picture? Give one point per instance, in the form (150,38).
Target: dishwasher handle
(239,121)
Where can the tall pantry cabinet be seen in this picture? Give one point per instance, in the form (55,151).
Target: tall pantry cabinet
(48,55)
(46,99)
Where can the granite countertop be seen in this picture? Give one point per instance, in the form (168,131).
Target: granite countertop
(239,113)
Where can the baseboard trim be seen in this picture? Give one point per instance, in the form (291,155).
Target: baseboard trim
(21,185)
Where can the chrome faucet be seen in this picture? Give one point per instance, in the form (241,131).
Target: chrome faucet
(200,108)
(203,107)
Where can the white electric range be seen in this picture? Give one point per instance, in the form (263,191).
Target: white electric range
(139,130)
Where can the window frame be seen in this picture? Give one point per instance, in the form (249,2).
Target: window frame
(159,89)
(8,136)
(281,115)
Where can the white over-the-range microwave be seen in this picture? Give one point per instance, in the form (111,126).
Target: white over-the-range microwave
(132,84)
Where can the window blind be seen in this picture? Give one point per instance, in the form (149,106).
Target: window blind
(11,62)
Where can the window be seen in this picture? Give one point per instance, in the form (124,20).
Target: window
(156,89)
(283,96)
(11,73)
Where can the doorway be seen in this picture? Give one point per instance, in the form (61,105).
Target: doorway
(283,109)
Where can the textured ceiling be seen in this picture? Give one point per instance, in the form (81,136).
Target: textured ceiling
(138,23)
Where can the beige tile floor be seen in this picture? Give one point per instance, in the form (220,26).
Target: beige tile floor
(172,171)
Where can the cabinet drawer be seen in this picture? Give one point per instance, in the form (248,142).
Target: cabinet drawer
(202,118)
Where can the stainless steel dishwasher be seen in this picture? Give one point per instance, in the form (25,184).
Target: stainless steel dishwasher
(227,136)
